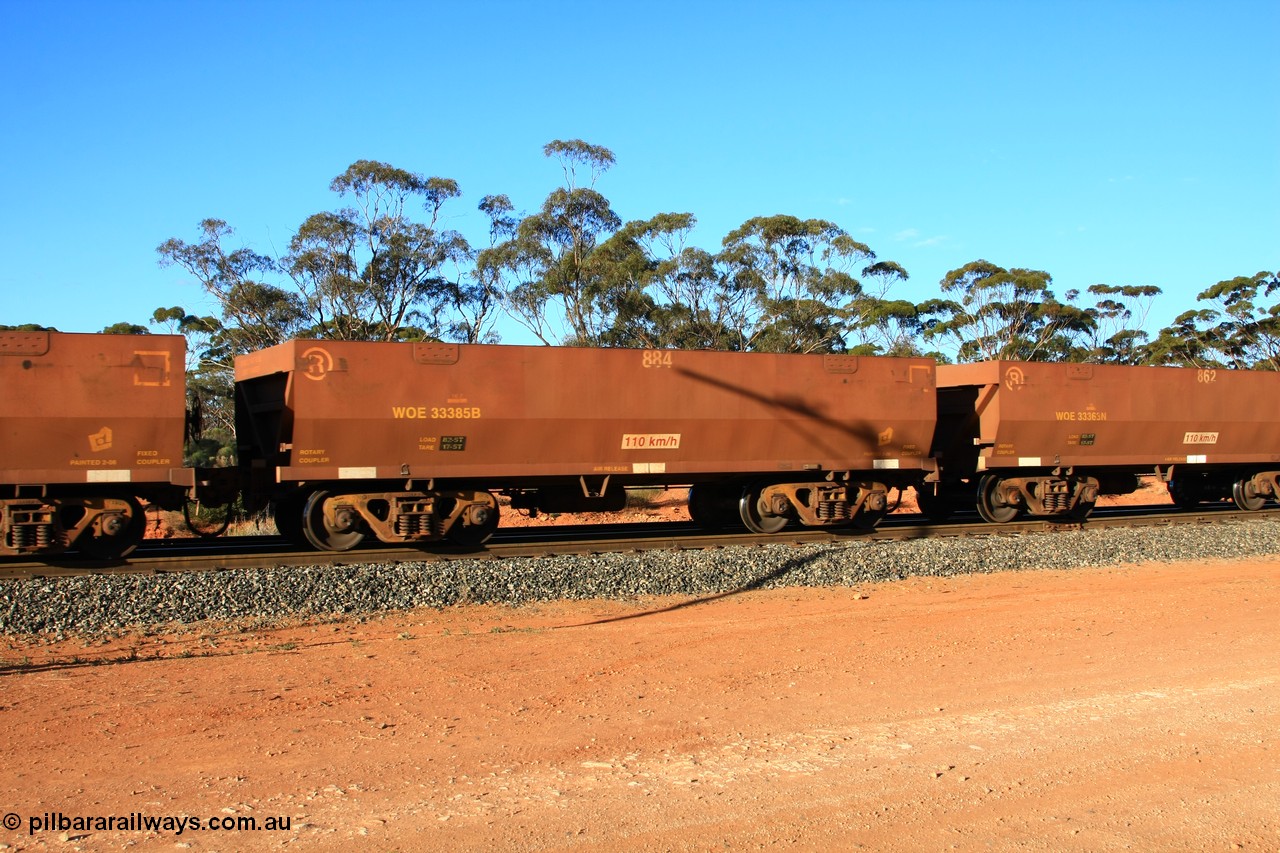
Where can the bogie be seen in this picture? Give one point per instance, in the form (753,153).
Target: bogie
(340,522)
(1246,495)
(760,515)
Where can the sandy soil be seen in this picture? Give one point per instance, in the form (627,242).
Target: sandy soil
(1121,708)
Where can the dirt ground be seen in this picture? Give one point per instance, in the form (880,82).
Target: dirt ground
(1106,709)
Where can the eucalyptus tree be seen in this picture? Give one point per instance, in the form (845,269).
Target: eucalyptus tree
(1241,330)
(369,271)
(210,385)
(476,297)
(1186,343)
(1119,315)
(1247,331)
(545,267)
(255,312)
(797,274)
(997,313)
(888,327)
(372,269)
(126,329)
(879,324)
(667,294)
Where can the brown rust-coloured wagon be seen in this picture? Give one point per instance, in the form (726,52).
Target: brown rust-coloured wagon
(1047,439)
(89,426)
(410,442)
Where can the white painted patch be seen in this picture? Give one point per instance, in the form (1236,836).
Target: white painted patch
(357,473)
(1029,461)
(887,463)
(1197,460)
(111,475)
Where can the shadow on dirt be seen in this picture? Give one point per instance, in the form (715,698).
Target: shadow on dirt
(757,583)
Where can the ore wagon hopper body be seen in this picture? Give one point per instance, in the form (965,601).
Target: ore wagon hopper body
(90,425)
(1047,439)
(410,442)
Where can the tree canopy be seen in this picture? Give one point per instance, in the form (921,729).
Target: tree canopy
(382,265)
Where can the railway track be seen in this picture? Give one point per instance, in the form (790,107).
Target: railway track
(231,553)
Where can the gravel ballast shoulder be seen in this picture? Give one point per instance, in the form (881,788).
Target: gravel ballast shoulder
(99,604)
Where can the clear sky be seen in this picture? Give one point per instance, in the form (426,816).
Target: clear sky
(1104,142)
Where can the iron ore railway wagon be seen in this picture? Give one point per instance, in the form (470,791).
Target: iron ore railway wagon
(91,428)
(413,442)
(1047,439)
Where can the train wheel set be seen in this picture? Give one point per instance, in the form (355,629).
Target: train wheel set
(338,521)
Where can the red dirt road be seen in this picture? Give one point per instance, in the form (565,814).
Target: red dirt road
(1130,708)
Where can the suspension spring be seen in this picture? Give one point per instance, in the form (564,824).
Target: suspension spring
(1057,502)
(28,537)
(835,510)
(413,524)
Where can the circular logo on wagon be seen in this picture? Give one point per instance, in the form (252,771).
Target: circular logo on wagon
(1014,378)
(317,362)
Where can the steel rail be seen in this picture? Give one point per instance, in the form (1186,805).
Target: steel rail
(251,552)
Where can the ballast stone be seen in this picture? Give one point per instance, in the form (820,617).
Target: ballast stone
(103,604)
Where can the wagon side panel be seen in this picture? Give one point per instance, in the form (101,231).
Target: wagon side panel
(91,408)
(493,412)
(1117,416)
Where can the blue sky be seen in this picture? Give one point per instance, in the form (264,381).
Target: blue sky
(1104,142)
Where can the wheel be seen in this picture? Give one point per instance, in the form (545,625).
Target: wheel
(342,536)
(1245,497)
(757,522)
(867,519)
(1081,510)
(478,531)
(937,508)
(287,512)
(120,533)
(206,521)
(1186,492)
(991,506)
(713,506)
